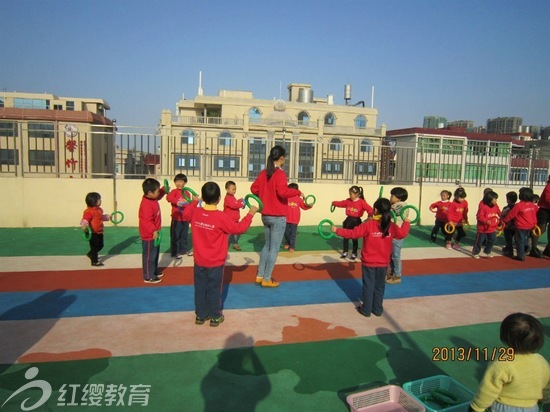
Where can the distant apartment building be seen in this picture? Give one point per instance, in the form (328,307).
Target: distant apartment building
(434,122)
(55,136)
(461,124)
(230,134)
(504,125)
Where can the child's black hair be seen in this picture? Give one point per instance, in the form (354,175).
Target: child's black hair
(400,193)
(230,183)
(180,176)
(487,190)
(150,185)
(357,190)
(383,207)
(92,198)
(536,198)
(489,197)
(460,192)
(521,332)
(449,194)
(511,197)
(293,186)
(210,193)
(526,194)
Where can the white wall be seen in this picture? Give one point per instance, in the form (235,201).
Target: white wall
(53,202)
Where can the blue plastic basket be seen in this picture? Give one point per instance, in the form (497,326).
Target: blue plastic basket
(388,398)
(422,390)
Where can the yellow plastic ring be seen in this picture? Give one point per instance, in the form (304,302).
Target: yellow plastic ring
(449,228)
(536,231)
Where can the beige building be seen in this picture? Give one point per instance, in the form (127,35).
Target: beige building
(55,136)
(230,135)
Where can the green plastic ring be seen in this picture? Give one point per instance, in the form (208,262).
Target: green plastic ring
(158,240)
(381,191)
(115,213)
(256,198)
(416,219)
(320,229)
(332,208)
(87,234)
(188,189)
(166,186)
(393,215)
(310,204)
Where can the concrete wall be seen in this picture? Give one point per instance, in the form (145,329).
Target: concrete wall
(53,202)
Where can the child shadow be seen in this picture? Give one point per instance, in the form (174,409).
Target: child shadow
(228,273)
(238,381)
(120,247)
(341,273)
(481,364)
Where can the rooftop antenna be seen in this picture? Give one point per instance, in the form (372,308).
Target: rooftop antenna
(200,84)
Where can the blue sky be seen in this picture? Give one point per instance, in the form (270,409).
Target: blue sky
(469,59)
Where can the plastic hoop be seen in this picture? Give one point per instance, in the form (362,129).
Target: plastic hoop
(158,240)
(188,189)
(449,228)
(115,213)
(417,218)
(332,208)
(256,198)
(393,215)
(536,231)
(320,229)
(87,234)
(310,204)
(166,186)
(381,191)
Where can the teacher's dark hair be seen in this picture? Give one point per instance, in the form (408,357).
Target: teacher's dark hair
(275,154)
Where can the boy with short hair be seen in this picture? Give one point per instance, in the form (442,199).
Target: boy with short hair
(232,207)
(149,229)
(178,227)
(397,200)
(210,230)
(509,228)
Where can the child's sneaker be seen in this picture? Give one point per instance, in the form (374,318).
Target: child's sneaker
(475,256)
(344,255)
(448,245)
(153,280)
(216,321)
(291,250)
(199,321)
(393,280)
(286,246)
(236,247)
(353,256)
(488,255)
(456,246)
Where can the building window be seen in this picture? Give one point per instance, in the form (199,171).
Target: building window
(41,130)
(333,167)
(188,137)
(225,139)
(303,119)
(58,107)
(360,122)
(335,144)
(330,119)
(366,146)
(451,147)
(430,144)
(69,105)
(256,156)
(1,102)
(186,162)
(9,157)
(20,103)
(8,129)
(42,157)
(254,114)
(365,168)
(227,163)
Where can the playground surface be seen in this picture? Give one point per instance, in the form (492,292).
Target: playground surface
(98,338)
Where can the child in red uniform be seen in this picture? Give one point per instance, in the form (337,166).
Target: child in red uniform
(377,234)
(178,227)
(210,228)
(440,208)
(293,218)
(457,215)
(488,218)
(524,215)
(92,220)
(232,208)
(355,207)
(149,228)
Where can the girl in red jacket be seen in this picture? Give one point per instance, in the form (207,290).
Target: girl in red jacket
(92,220)
(457,216)
(271,186)
(440,209)
(488,218)
(355,206)
(377,234)
(293,218)
(524,215)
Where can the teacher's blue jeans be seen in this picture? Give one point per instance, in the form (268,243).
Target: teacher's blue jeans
(274,229)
